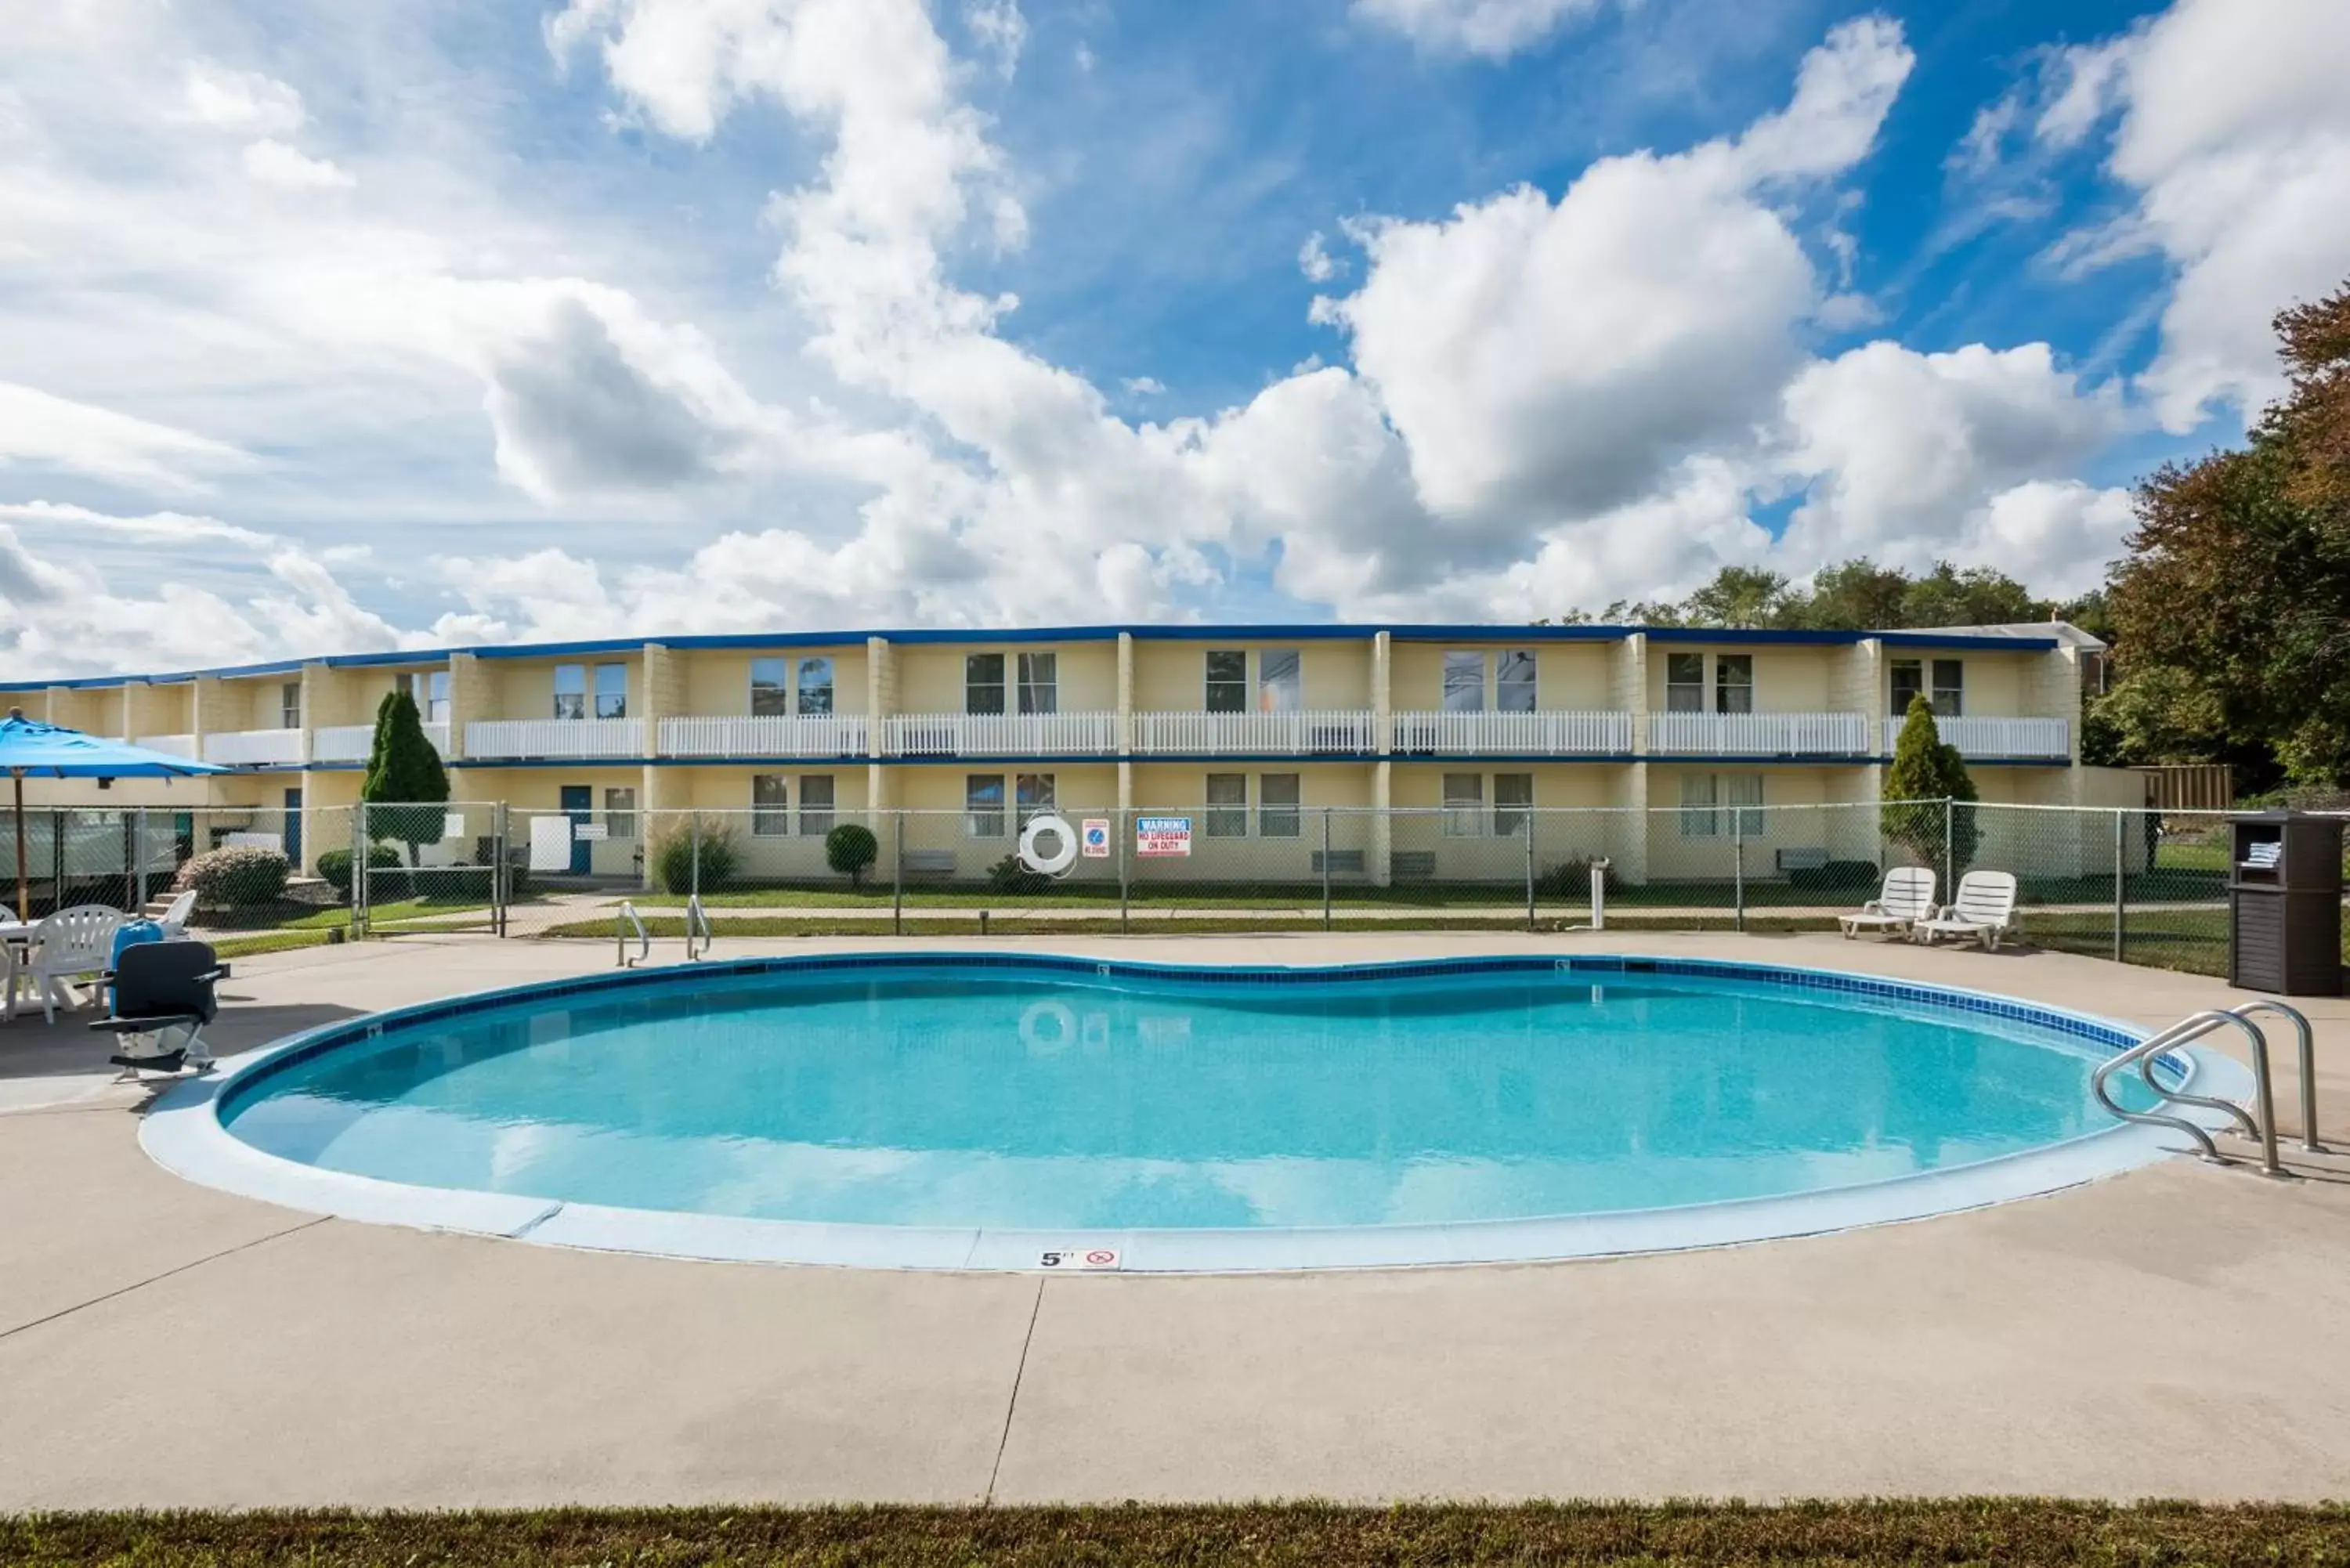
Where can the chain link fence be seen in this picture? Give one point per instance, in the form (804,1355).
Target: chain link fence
(2141,886)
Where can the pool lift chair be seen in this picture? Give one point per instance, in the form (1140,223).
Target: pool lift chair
(163,997)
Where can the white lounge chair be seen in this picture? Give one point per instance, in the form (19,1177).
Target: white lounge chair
(1985,910)
(1907,897)
(67,946)
(176,916)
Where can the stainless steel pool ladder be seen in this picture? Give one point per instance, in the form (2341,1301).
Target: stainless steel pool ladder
(2260,1123)
(696,924)
(628,918)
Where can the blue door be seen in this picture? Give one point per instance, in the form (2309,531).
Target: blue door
(578,804)
(294,828)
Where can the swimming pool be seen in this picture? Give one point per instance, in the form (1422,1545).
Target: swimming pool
(1028,1110)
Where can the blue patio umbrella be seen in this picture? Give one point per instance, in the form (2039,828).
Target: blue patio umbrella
(50,752)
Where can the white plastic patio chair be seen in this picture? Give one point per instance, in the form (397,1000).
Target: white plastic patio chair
(1984,911)
(67,946)
(176,916)
(1907,897)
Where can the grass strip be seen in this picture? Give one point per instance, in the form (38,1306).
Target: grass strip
(1860,1534)
(261,942)
(1011,924)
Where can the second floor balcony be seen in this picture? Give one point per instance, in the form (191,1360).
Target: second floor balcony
(1758,735)
(520,740)
(2007,740)
(794,735)
(254,748)
(1519,734)
(1000,735)
(1328,734)
(356,743)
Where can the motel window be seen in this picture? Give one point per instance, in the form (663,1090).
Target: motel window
(983,805)
(429,689)
(815,686)
(621,812)
(1277,813)
(1035,795)
(289,705)
(1513,803)
(1949,688)
(1464,682)
(1464,805)
(771,805)
(1280,681)
(612,691)
(1908,682)
(1733,683)
(1698,818)
(571,691)
(1227,813)
(770,692)
(1742,793)
(1040,689)
(983,683)
(1227,681)
(1513,681)
(816,805)
(1685,682)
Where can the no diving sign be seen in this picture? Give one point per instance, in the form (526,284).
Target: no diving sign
(1081,1259)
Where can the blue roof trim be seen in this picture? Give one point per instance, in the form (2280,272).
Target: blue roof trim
(1988,644)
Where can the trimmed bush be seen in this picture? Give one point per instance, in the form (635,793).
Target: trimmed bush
(671,856)
(235,878)
(335,866)
(1010,876)
(851,849)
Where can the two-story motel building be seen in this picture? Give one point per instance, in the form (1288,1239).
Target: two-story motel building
(1254,726)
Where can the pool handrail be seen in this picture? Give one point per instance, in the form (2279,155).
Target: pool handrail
(630,917)
(697,921)
(2261,1125)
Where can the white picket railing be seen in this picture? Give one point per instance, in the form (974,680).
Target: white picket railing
(767,735)
(356,743)
(170,745)
(249,748)
(1000,735)
(530,739)
(2048,738)
(1328,734)
(1758,734)
(1538,734)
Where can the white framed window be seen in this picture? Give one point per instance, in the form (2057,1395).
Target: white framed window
(1280,681)
(771,805)
(816,805)
(1278,813)
(1464,805)
(1907,680)
(1733,683)
(621,812)
(1698,818)
(1684,682)
(1227,813)
(612,691)
(1464,681)
(1949,688)
(1035,794)
(815,685)
(289,705)
(771,691)
(1714,806)
(571,691)
(429,689)
(1742,794)
(1040,687)
(1513,804)
(983,805)
(983,683)
(1513,681)
(1226,690)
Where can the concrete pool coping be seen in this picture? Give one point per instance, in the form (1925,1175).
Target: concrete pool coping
(183,1133)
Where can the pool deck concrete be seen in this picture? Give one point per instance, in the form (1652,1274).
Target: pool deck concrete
(2180,1331)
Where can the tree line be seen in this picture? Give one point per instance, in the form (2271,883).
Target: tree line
(2229,615)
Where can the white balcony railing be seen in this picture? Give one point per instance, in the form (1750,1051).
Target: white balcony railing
(356,743)
(1311,735)
(1541,734)
(171,745)
(772,735)
(1758,734)
(2048,738)
(1000,735)
(252,748)
(523,739)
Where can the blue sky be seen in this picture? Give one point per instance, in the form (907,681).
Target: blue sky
(328,327)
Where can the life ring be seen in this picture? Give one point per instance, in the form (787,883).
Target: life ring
(1061,859)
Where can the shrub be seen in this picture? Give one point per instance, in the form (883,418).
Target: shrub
(673,856)
(851,849)
(335,866)
(1834,875)
(1571,880)
(1926,775)
(235,878)
(1009,874)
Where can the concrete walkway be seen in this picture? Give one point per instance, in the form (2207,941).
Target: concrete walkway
(2177,1332)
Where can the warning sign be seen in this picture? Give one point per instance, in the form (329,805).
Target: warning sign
(1090,1258)
(1162,835)
(1092,838)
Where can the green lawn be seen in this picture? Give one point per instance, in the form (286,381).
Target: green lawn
(390,913)
(1255,1535)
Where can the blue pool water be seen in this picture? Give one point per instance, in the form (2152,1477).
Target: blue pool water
(964,1098)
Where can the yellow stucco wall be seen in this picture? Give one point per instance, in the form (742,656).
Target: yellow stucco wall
(1568,676)
(1171,677)
(930,677)
(718,682)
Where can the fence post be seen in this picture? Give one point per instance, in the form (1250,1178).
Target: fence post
(1528,819)
(1738,867)
(1125,832)
(2121,906)
(502,879)
(897,872)
(693,898)
(358,871)
(139,851)
(1950,846)
(1326,867)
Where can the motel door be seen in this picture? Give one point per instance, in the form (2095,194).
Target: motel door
(578,804)
(293,829)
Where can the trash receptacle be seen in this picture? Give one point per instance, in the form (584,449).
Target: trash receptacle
(2284,903)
